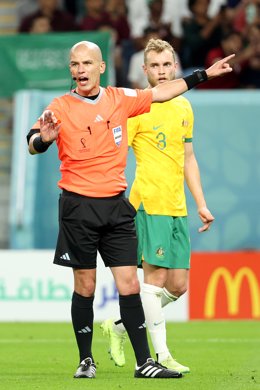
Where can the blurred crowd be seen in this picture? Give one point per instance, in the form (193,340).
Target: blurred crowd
(201,31)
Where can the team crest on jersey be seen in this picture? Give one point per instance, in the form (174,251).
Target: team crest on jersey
(117,133)
(160,252)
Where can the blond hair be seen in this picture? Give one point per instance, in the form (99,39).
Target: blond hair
(158,45)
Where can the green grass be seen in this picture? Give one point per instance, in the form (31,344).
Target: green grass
(221,355)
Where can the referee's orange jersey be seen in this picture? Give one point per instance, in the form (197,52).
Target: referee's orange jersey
(92,141)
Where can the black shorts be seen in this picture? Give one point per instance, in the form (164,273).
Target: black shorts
(88,225)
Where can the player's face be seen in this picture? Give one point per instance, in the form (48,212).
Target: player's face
(86,65)
(159,67)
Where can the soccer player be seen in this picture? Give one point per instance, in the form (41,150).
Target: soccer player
(162,143)
(89,125)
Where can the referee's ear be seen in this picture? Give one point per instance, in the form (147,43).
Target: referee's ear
(102,67)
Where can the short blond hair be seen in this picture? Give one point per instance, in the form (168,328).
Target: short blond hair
(158,45)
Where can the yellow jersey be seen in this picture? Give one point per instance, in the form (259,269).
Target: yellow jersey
(158,139)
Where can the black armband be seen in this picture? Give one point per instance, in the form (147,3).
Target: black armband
(39,145)
(197,77)
(31,133)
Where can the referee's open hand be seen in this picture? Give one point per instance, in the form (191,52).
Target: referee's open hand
(49,126)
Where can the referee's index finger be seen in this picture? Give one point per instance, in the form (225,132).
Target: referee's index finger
(226,59)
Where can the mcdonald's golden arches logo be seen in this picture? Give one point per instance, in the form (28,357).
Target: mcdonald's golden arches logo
(233,291)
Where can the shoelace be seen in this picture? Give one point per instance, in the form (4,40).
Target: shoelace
(88,364)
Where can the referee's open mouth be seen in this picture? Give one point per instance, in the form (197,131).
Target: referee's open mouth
(82,80)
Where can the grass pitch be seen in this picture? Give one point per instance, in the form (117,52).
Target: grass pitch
(221,355)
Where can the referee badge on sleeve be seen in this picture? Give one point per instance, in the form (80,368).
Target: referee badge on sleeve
(117,133)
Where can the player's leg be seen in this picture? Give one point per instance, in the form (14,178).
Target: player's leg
(116,333)
(150,246)
(167,297)
(154,279)
(176,285)
(118,248)
(177,277)
(177,281)
(132,316)
(160,252)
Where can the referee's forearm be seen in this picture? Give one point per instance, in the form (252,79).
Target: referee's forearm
(168,90)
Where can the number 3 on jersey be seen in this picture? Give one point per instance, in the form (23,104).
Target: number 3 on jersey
(161,138)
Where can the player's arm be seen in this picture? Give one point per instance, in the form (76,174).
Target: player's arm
(173,88)
(192,178)
(40,139)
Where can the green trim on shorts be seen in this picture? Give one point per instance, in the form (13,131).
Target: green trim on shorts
(163,240)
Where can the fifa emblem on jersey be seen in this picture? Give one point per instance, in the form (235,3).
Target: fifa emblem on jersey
(117,133)
(160,252)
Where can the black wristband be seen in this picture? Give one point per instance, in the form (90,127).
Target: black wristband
(197,77)
(39,145)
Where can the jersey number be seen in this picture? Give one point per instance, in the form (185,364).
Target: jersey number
(161,138)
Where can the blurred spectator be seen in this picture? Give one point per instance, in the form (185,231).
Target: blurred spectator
(40,25)
(137,14)
(96,16)
(171,15)
(60,20)
(226,20)
(74,7)
(117,11)
(136,75)
(251,74)
(245,14)
(155,20)
(26,7)
(110,15)
(174,11)
(230,44)
(200,34)
(215,6)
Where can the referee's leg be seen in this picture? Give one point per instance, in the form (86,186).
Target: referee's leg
(82,310)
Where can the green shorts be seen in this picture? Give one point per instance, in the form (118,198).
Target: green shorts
(163,241)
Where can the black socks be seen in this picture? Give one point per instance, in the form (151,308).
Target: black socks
(82,319)
(132,315)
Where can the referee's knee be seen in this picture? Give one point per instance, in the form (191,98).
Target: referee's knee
(128,287)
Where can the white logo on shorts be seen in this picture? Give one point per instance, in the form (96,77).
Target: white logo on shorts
(65,256)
